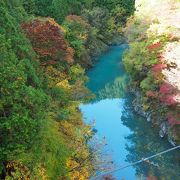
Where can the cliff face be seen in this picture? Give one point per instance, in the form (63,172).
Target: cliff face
(154,36)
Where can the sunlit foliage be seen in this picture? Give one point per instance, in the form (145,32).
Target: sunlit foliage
(152,60)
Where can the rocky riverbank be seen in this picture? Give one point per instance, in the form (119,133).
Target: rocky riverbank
(152,117)
(153,64)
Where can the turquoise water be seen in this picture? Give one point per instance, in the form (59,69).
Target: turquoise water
(128,136)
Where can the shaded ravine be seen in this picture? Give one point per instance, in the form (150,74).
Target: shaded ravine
(128,136)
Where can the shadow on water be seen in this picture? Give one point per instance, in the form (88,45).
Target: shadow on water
(144,142)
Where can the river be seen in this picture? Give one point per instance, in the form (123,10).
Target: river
(128,136)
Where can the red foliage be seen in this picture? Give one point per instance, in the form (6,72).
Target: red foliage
(48,41)
(158,67)
(173,120)
(154,46)
(169,100)
(151,94)
(166,88)
(167,94)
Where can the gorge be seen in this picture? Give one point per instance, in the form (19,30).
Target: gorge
(128,136)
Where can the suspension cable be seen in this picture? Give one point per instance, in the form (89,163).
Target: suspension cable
(134,163)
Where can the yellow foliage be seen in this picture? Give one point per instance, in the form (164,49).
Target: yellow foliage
(145,107)
(67,128)
(71,163)
(17,171)
(64,84)
(55,75)
(76,175)
(40,173)
(83,36)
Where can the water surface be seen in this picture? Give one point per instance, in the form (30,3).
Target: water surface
(128,136)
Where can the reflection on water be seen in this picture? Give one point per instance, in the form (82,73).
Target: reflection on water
(107,114)
(145,142)
(129,137)
(108,68)
(113,90)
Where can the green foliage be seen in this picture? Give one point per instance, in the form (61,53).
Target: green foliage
(128,5)
(43,7)
(57,9)
(30,6)
(134,60)
(59,95)
(76,30)
(50,150)
(101,22)
(22,100)
(25,132)
(35,96)
(64,114)
(148,83)
(77,73)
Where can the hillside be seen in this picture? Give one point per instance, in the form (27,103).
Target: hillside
(45,47)
(154,63)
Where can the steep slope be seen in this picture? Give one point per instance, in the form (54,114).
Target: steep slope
(154,63)
(163,18)
(42,135)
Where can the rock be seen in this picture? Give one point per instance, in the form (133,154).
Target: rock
(94,130)
(171,141)
(138,108)
(161,133)
(163,129)
(118,39)
(148,117)
(164,126)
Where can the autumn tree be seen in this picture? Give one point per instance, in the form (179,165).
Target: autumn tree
(47,38)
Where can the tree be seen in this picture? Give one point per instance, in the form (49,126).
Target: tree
(22,105)
(47,38)
(76,33)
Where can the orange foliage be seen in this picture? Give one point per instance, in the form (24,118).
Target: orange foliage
(154,46)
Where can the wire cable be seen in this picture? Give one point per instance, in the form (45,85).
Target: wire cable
(134,163)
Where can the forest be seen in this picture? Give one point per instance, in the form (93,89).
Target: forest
(46,50)
(46,46)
